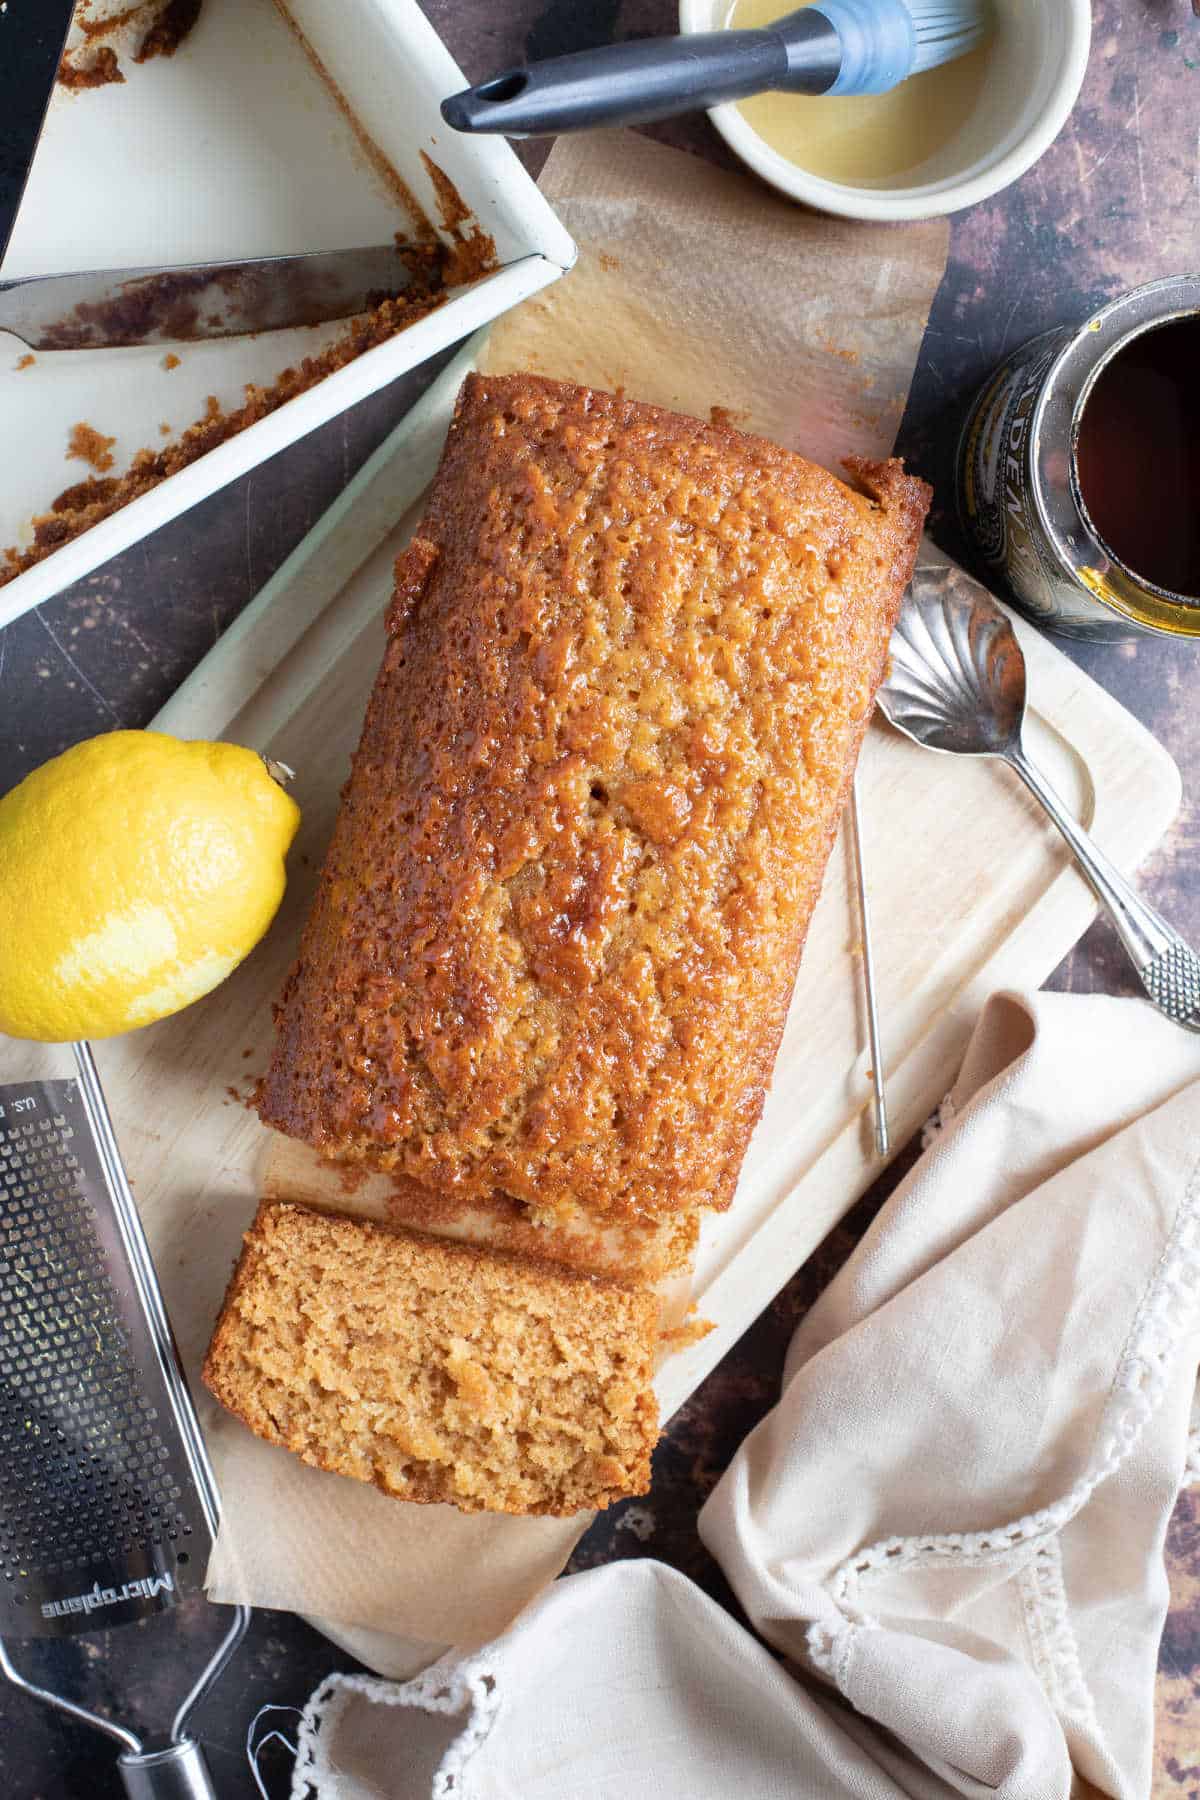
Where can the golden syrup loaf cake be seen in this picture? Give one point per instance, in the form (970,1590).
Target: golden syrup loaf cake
(631,659)
(436,1371)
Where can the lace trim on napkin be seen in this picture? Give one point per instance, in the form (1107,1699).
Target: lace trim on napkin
(1052,1640)
(447,1686)
(1167,1312)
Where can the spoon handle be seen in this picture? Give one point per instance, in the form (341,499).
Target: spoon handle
(1167,967)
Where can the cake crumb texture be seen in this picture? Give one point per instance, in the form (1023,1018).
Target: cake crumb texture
(632,657)
(88,445)
(437,1372)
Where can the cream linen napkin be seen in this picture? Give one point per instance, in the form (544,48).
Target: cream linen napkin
(952,1522)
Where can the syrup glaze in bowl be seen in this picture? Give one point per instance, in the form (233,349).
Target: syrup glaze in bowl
(1036,67)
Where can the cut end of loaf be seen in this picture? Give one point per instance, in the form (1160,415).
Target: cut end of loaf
(435,1371)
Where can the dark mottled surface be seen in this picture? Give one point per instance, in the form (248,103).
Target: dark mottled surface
(1115,201)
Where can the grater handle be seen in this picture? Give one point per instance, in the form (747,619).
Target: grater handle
(177,1773)
(138,1250)
(109,1727)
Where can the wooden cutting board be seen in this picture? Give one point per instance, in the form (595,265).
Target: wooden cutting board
(971,890)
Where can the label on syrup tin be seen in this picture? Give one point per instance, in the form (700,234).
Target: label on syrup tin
(996,476)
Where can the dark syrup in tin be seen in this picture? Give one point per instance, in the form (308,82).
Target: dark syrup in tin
(1137,456)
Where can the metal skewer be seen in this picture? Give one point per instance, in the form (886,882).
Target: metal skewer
(882,1143)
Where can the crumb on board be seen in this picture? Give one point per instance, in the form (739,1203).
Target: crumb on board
(170,23)
(608,261)
(170,360)
(27,361)
(839,350)
(88,445)
(99,70)
(682,1337)
(164,429)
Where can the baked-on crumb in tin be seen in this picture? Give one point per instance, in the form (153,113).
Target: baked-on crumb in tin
(88,445)
(170,27)
(85,504)
(101,69)
(435,265)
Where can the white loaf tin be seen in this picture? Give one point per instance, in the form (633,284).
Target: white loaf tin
(236,147)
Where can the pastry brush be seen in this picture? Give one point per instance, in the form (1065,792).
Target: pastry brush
(831,47)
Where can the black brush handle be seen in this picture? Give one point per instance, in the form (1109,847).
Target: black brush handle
(633,83)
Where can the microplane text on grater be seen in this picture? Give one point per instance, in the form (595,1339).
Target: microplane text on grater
(101,1519)
(108,1506)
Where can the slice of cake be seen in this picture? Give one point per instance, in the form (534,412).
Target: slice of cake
(437,1371)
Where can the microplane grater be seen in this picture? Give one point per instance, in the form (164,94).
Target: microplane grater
(108,1506)
(98,1509)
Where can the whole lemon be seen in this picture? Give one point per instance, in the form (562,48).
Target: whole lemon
(136,871)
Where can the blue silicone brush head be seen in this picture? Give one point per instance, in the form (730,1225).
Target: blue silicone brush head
(885,41)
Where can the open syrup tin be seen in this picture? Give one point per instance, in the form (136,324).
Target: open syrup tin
(1024,488)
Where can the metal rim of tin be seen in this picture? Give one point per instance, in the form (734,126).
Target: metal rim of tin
(1054,431)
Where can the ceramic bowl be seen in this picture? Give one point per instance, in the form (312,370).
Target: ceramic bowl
(1037,68)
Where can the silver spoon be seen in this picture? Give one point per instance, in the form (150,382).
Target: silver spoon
(956,682)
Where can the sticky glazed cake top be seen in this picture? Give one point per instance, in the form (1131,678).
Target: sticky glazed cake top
(631,659)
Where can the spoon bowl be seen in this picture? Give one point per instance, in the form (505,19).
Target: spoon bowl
(956,683)
(956,675)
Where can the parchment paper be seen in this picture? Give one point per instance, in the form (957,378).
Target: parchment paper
(694,288)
